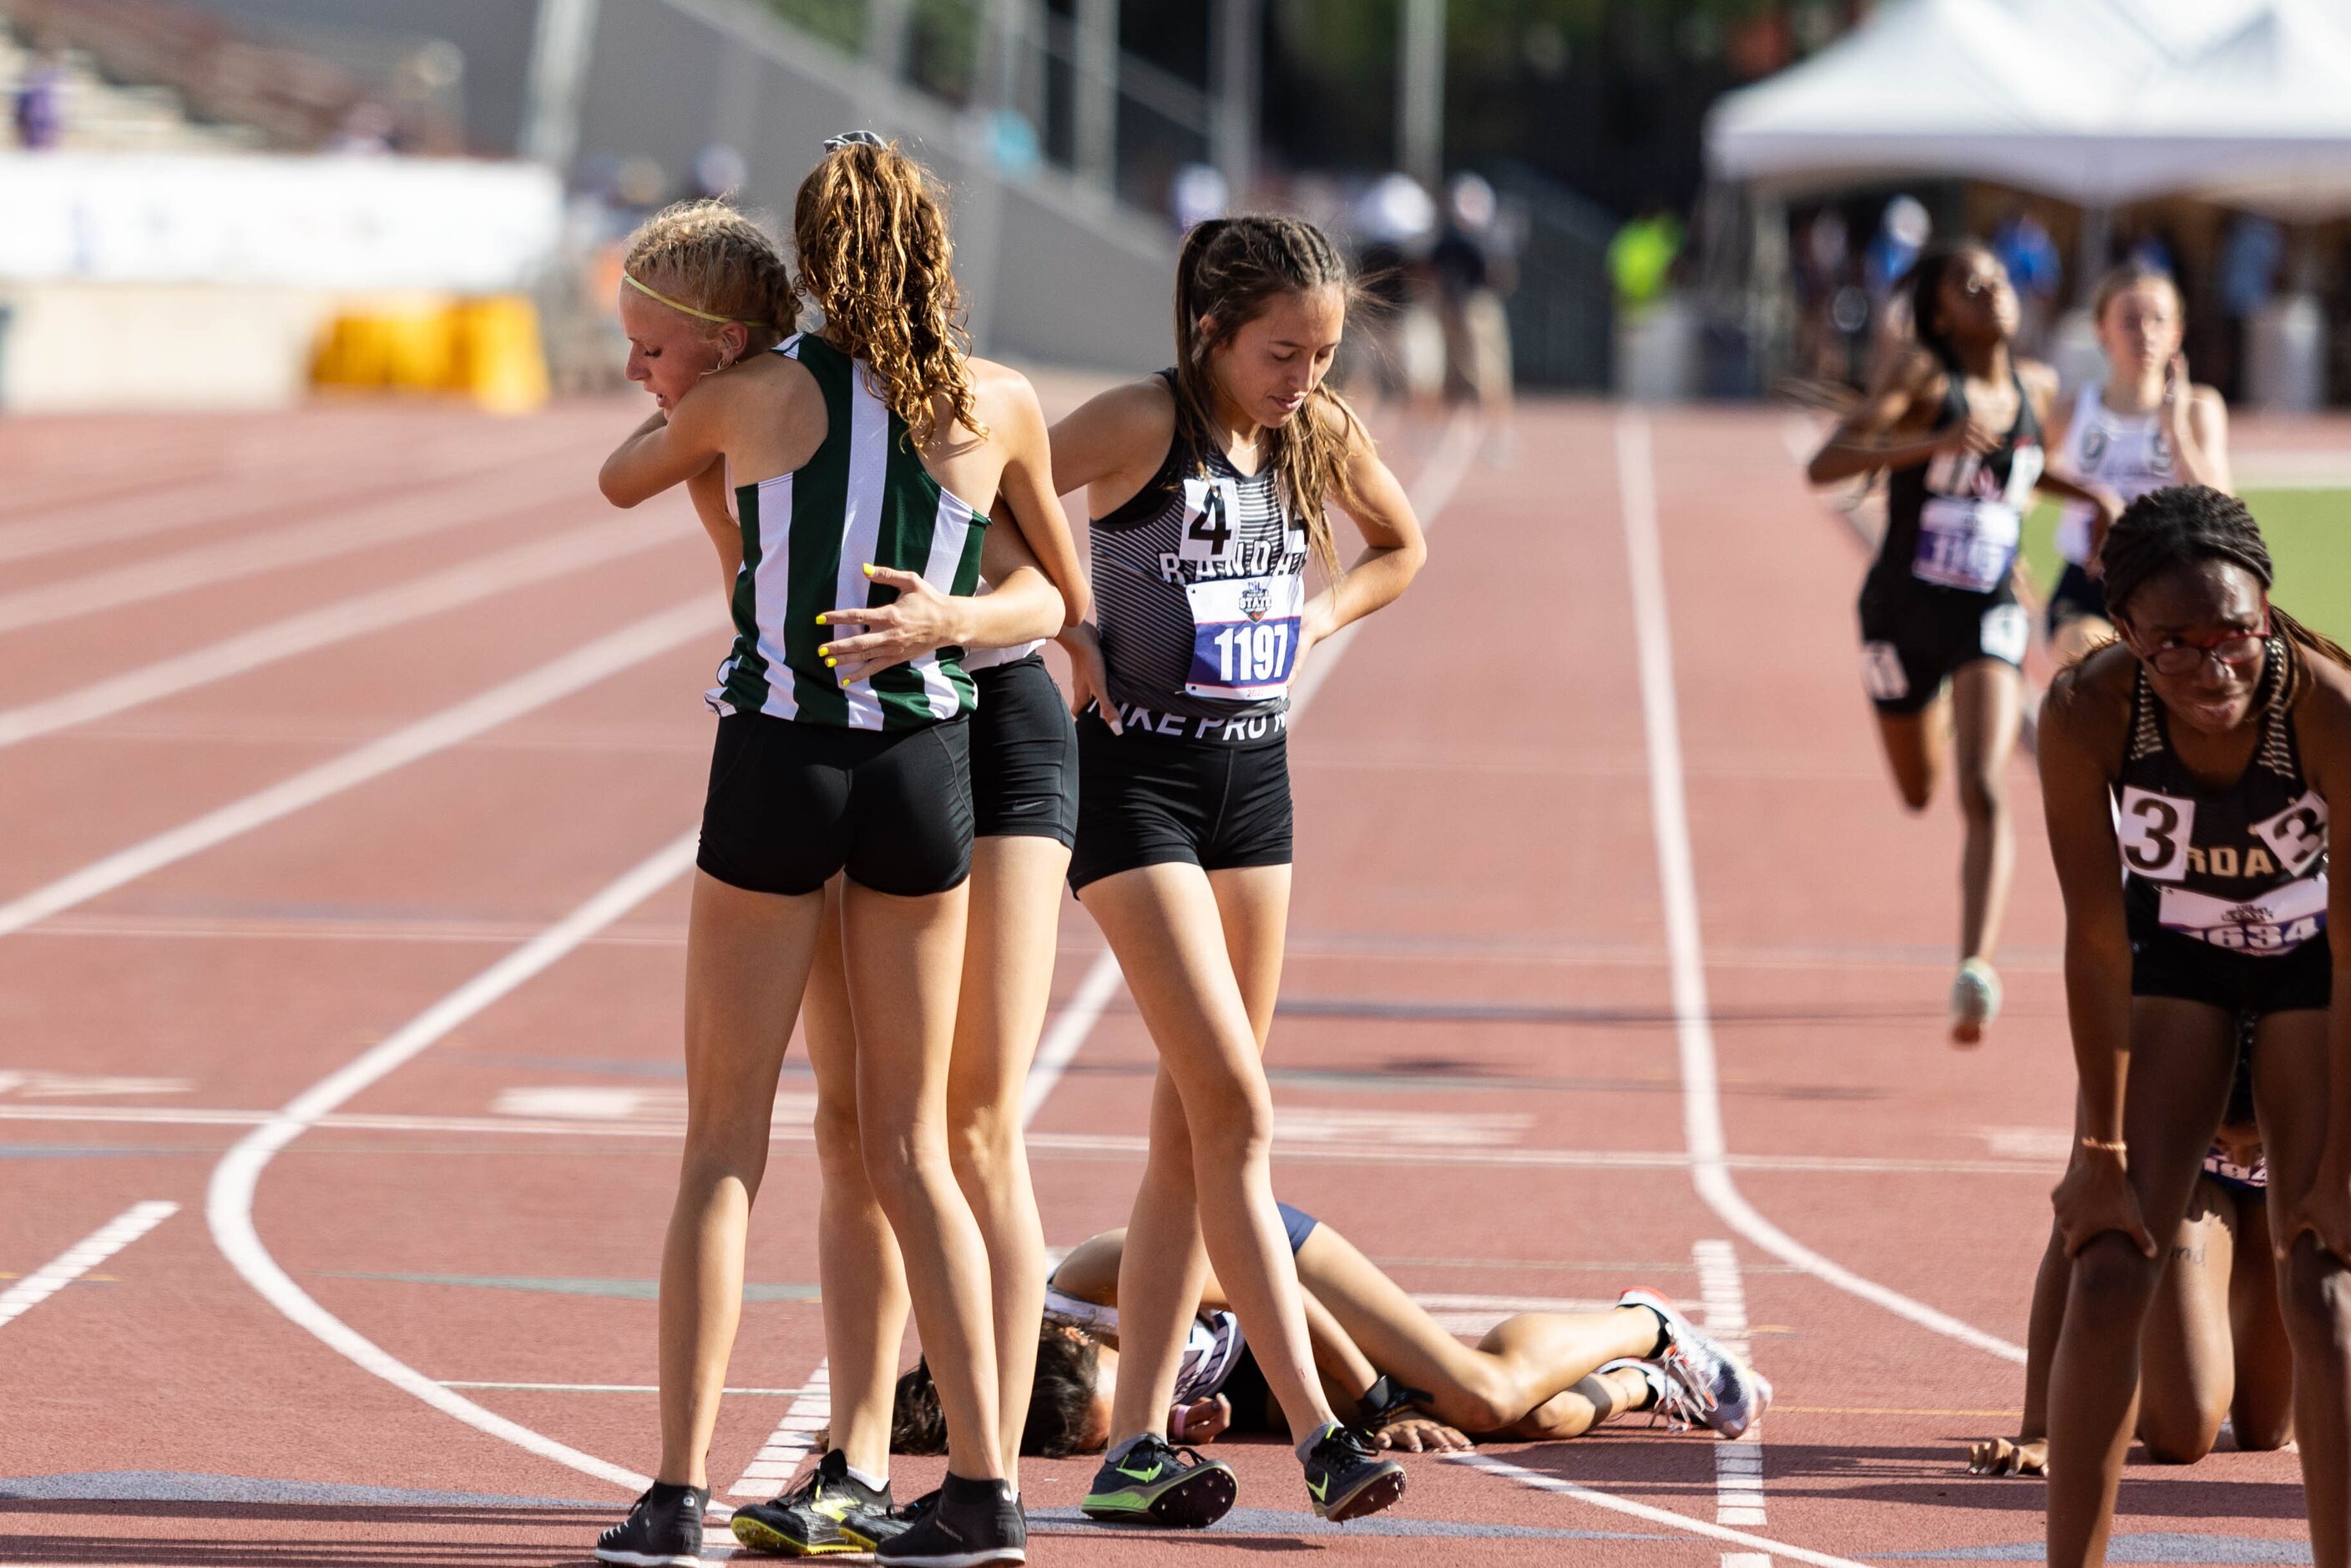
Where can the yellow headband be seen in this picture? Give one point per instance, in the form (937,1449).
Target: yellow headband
(630,280)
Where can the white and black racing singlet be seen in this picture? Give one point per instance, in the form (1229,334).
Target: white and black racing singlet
(2243,868)
(2129,454)
(1199,585)
(1955,521)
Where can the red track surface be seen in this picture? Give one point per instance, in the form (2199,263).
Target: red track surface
(1479,954)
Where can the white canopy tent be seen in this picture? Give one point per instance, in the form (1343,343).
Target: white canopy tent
(2100,102)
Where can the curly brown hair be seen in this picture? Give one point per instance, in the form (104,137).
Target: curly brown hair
(708,255)
(1228,272)
(870,231)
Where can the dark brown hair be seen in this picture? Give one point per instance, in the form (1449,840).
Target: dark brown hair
(1060,1403)
(873,255)
(1926,280)
(2128,276)
(1228,271)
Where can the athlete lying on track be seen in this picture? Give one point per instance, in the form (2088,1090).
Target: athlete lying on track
(1533,1377)
(2214,1346)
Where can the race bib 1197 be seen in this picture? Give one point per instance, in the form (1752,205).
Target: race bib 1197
(1244,635)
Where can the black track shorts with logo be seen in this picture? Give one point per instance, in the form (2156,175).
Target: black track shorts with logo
(1915,634)
(1145,798)
(2164,964)
(791,804)
(1024,755)
(2075,597)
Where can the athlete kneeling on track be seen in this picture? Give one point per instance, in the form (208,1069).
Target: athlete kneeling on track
(2189,772)
(1956,423)
(1534,1377)
(2214,1348)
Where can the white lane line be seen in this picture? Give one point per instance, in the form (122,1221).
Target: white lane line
(793,1439)
(82,1257)
(407,517)
(1431,491)
(575,671)
(1538,1481)
(228,1204)
(1677,883)
(1737,1466)
(617,1388)
(339,622)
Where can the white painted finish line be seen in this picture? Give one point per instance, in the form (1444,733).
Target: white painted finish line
(82,1257)
(793,1439)
(1737,1466)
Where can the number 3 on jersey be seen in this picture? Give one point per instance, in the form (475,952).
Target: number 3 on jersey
(1212,508)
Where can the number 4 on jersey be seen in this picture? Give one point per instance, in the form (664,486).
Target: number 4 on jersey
(1210,505)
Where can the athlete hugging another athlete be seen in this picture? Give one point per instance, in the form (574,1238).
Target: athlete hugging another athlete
(1956,423)
(2189,772)
(1207,485)
(865,460)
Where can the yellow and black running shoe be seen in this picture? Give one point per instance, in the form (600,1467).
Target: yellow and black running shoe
(1154,1483)
(1346,1478)
(805,1520)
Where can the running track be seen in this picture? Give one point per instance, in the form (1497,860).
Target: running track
(344,758)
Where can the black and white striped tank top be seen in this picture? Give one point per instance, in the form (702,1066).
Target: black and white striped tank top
(1199,583)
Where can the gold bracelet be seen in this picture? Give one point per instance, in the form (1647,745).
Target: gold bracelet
(2106,1146)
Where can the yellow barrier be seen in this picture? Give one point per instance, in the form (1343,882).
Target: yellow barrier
(486,349)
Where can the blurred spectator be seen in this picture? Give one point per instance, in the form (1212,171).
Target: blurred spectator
(2024,248)
(1197,194)
(1467,267)
(1392,220)
(366,131)
(40,104)
(1640,259)
(1902,230)
(2152,251)
(719,170)
(2250,256)
(1823,254)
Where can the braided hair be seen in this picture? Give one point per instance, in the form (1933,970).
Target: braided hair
(2183,526)
(1228,271)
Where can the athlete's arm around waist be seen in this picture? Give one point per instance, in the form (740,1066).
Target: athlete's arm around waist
(1888,427)
(1395,548)
(2084,724)
(1025,489)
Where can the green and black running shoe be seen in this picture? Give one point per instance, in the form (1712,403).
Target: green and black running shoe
(805,1521)
(1153,1483)
(1346,1478)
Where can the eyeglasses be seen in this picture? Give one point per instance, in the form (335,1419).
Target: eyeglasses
(2179,656)
(853,139)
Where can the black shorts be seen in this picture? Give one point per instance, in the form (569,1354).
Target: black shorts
(1915,634)
(1024,755)
(2074,597)
(1145,799)
(2166,964)
(791,803)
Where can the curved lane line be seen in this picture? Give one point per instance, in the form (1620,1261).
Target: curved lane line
(1669,818)
(228,1200)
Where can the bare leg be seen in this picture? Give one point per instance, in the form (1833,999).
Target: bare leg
(905,963)
(1008,983)
(1159,1285)
(1522,1364)
(746,959)
(2263,1411)
(2188,1366)
(1914,745)
(1984,706)
(2182,1054)
(2290,1094)
(1573,1412)
(1169,929)
(864,1281)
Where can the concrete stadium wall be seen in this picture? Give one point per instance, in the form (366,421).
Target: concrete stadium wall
(1051,273)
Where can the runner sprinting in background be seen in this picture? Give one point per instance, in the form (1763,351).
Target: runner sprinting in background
(1955,421)
(2146,426)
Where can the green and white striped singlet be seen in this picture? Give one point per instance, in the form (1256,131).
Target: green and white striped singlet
(864,496)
